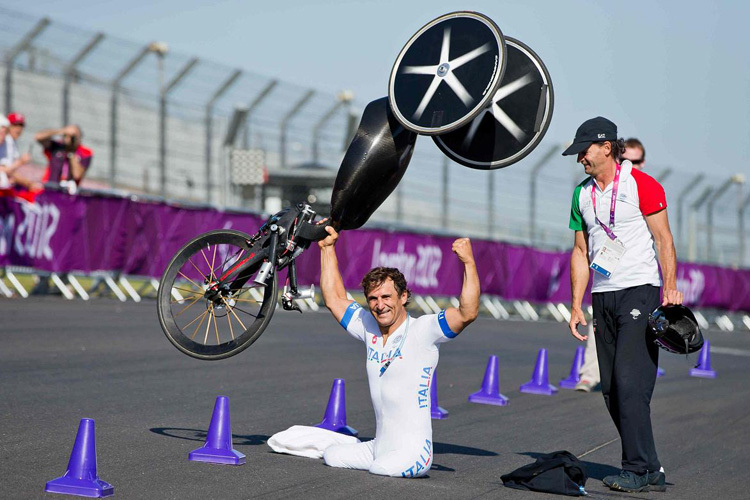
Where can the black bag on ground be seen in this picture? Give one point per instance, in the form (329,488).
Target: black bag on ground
(558,472)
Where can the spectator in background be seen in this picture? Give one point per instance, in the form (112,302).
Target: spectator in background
(68,160)
(589,375)
(6,160)
(635,152)
(17,124)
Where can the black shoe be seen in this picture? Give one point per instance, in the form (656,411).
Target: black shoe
(657,481)
(628,481)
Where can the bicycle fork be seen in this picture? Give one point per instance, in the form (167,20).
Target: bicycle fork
(292,293)
(267,268)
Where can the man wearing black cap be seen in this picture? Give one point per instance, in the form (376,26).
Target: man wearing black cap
(620,221)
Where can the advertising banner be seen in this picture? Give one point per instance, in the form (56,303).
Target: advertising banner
(91,232)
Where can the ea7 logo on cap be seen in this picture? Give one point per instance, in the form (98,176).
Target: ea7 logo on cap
(601,136)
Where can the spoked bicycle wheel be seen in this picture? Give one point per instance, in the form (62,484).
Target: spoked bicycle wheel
(210,321)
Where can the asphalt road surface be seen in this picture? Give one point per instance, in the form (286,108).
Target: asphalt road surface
(62,361)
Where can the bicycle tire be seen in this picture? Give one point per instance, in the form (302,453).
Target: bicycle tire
(175,282)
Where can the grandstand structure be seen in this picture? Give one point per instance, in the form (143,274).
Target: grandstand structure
(168,125)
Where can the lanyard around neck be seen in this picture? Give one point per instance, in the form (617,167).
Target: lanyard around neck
(615,186)
(398,349)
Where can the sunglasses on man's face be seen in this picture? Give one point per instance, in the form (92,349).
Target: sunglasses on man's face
(636,162)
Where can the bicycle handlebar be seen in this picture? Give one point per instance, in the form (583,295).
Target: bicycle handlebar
(314,232)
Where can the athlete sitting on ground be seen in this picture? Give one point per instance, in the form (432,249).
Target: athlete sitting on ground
(402,354)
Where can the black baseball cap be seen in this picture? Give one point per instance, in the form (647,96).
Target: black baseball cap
(597,129)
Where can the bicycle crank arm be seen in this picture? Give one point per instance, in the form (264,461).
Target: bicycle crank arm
(289,296)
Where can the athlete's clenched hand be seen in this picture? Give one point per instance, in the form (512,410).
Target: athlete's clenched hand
(462,248)
(329,240)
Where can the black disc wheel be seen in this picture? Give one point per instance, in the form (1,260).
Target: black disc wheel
(515,120)
(447,73)
(208,303)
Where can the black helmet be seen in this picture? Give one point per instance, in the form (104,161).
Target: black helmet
(676,329)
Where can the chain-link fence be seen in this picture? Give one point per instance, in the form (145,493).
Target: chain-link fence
(165,123)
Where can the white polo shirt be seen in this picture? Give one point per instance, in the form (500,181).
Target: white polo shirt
(638,195)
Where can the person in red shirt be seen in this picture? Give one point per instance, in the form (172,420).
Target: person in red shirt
(68,160)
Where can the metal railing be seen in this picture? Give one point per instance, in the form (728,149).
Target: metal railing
(157,122)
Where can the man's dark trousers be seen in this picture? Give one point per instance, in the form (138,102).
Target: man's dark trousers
(628,360)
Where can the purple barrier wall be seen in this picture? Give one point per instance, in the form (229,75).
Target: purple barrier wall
(87,233)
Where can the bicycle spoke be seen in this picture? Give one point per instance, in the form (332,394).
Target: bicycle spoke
(210,269)
(201,317)
(238,319)
(191,281)
(208,323)
(187,292)
(229,256)
(183,299)
(196,267)
(216,329)
(213,260)
(199,297)
(231,330)
(247,300)
(231,260)
(243,311)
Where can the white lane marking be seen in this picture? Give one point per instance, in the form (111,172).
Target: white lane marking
(592,450)
(730,350)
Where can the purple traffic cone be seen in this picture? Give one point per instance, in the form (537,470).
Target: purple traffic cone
(575,370)
(489,394)
(335,416)
(539,383)
(703,368)
(660,372)
(80,478)
(436,411)
(218,447)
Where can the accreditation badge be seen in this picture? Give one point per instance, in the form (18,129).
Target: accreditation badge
(608,258)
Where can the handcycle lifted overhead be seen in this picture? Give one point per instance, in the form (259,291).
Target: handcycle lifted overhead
(219,292)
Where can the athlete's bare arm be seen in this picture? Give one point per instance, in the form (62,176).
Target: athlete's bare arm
(331,283)
(579,278)
(460,317)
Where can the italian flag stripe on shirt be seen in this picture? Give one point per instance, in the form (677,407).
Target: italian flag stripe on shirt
(576,220)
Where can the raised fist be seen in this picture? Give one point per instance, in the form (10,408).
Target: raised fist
(462,248)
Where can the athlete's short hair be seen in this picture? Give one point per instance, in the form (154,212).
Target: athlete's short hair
(377,276)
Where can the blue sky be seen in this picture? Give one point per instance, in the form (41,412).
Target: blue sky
(675,74)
